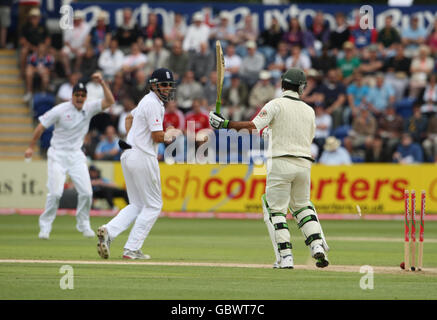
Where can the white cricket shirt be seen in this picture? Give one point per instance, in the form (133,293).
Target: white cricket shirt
(291,123)
(147,117)
(71,125)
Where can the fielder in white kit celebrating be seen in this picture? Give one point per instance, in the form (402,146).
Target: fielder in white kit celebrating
(141,169)
(291,123)
(71,120)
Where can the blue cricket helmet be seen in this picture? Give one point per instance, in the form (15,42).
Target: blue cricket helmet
(164,78)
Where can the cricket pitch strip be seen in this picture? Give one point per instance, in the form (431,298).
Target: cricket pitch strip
(331,268)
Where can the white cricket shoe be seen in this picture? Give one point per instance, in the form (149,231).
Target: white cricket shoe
(287,262)
(318,253)
(104,242)
(44,235)
(27,97)
(89,233)
(135,255)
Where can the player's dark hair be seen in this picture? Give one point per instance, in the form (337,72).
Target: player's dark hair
(289,86)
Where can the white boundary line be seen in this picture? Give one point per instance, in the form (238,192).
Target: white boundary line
(333,268)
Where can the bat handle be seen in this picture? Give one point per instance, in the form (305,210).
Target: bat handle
(217,106)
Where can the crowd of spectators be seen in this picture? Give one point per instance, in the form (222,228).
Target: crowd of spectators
(374,91)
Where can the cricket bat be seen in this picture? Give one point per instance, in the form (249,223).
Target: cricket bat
(220,75)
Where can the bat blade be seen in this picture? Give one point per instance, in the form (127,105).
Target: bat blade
(220,75)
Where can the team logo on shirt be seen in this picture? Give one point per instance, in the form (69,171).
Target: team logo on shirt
(157,122)
(263,113)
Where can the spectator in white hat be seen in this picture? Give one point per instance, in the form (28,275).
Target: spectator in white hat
(334,153)
(262,92)
(75,42)
(252,64)
(197,33)
(224,31)
(32,34)
(101,32)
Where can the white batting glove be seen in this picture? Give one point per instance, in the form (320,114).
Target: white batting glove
(217,121)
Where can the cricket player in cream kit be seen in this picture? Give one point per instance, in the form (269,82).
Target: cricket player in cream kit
(291,124)
(71,120)
(141,169)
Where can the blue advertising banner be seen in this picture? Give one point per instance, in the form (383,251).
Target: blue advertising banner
(262,14)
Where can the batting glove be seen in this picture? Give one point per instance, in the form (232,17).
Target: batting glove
(217,121)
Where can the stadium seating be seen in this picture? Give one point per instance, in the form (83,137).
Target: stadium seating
(42,102)
(404,107)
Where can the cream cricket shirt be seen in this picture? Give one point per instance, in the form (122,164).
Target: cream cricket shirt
(147,118)
(292,126)
(71,125)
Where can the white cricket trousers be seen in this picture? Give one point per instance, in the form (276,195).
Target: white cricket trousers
(287,184)
(143,184)
(59,164)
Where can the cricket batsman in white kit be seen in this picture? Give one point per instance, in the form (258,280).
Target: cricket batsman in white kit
(141,169)
(291,123)
(71,120)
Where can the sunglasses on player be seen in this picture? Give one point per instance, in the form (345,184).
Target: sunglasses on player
(166,84)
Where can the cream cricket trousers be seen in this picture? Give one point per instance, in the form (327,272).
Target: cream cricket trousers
(59,164)
(287,184)
(143,184)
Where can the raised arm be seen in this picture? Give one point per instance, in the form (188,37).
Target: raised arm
(108,99)
(218,122)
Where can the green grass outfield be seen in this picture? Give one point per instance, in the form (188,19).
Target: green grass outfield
(206,259)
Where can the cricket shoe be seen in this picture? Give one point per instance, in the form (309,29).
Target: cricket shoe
(287,262)
(44,235)
(89,233)
(135,255)
(104,242)
(318,253)
(27,97)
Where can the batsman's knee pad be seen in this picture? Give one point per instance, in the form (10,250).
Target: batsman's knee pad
(308,223)
(278,229)
(282,234)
